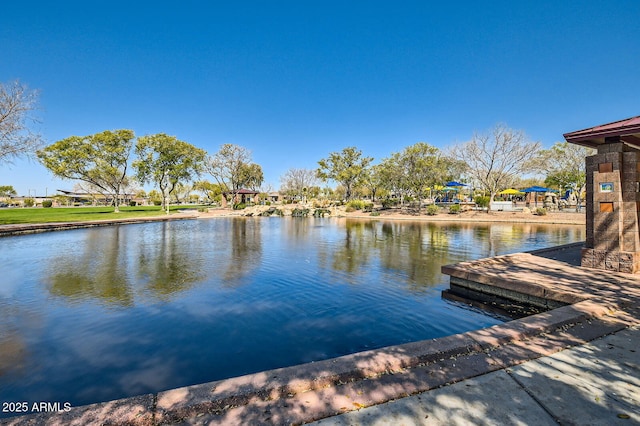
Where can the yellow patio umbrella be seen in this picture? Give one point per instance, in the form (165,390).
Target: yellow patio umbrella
(510,191)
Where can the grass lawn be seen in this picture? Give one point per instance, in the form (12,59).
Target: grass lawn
(78,214)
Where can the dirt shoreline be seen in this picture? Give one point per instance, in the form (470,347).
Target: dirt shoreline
(561,217)
(553,218)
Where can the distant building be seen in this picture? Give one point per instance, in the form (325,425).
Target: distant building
(94,198)
(242,196)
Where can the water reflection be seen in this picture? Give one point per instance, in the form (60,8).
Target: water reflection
(132,305)
(113,265)
(168,263)
(245,250)
(413,252)
(95,269)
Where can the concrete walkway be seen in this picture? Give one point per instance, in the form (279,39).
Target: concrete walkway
(593,384)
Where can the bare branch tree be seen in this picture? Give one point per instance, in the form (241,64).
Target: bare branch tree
(17,105)
(233,169)
(495,160)
(298,182)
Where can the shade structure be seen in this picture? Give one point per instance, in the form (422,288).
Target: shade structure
(537,189)
(454,183)
(510,191)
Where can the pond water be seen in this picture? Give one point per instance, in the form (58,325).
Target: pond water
(96,314)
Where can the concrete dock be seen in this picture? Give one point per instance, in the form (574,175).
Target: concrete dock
(578,363)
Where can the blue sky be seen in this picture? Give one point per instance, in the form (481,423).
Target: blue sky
(295,80)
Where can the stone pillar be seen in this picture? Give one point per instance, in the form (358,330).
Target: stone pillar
(613,202)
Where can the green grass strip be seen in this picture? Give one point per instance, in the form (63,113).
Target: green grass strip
(79,214)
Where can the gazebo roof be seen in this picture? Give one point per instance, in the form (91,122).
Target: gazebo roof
(628,130)
(243,191)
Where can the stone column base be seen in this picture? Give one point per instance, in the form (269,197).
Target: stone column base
(619,261)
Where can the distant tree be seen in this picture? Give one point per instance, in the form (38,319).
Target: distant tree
(495,160)
(62,200)
(416,168)
(17,106)
(393,176)
(424,166)
(101,160)
(167,161)
(297,183)
(252,176)
(155,195)
(7,191)
(233,169)
(525,182)
(564,166)
(211,191)
(372,180)
(182,192)
(347,168)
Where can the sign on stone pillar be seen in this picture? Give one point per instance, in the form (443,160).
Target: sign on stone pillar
(612,241)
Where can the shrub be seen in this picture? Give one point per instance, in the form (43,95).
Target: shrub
(300,212)
(374,214)
(133,203)
(482,201)
(239,206)
(157,202)
(356,204)
(368,207)
(541,211)
(321,212)
(267,203)
(432,210)
(454,209)
(47,203)
(29,202)
(389,202)
(272,211)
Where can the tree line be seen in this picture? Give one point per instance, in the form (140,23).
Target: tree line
(114,160)
(102,161)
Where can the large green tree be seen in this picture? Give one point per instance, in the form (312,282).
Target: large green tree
(101,160)
(495,159)
(373,180)
(424,167)
(564,166)
(415,169)
(233,169)
(7,191)
(17,107)
(211,191)
(347,168)
(167,161)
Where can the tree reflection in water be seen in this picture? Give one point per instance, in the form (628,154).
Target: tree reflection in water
(125,309)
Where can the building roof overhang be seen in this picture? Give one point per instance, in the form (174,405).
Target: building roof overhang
(627,130)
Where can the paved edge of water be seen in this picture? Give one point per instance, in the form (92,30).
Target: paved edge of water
(35,228)
(308,392)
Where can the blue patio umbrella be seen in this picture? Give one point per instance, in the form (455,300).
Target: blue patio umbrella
(536,189)
(454,183)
